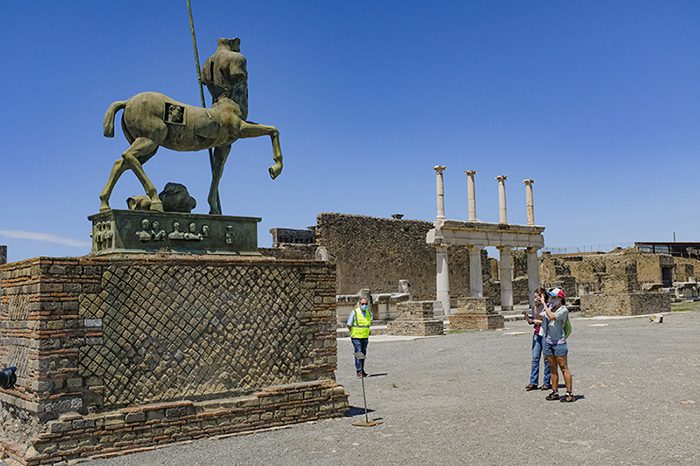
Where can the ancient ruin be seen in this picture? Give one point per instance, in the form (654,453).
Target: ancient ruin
(175,327)
(476,236)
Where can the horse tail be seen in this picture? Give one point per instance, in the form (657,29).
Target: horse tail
(108,125)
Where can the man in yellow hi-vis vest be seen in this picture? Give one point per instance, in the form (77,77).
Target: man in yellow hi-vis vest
(358,324)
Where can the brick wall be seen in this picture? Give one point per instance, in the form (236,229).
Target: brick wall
(92,336)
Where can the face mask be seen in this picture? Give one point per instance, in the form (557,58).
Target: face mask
(363,307)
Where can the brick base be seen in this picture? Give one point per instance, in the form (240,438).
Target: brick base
(108,348)
(148,427)
(476,321)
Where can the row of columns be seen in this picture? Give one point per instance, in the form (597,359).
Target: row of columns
(476,285)
(471,196)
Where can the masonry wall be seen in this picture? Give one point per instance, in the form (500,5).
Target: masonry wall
(625,304)
(376,253)
(593,271)
(93,336)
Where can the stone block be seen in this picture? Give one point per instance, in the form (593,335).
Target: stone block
(476,321)
(415,310)
(426,327)
(482,306)
(625,304)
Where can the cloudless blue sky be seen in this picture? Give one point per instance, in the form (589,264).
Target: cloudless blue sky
(598,101)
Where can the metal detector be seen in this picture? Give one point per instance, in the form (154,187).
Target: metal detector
(360,356)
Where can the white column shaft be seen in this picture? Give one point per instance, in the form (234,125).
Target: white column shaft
(476,283)
(506,273)
(529,202)
(502,212)
(440,192)
(533,274)
(471,195)
(442,282)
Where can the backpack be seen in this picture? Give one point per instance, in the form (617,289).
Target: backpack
(567,329)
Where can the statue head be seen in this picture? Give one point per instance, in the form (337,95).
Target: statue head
(234,45)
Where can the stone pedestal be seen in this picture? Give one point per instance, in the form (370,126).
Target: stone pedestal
(134,231)
(116,354)
(416,318)
(476,314)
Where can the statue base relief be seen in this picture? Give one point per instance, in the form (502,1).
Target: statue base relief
(127,231)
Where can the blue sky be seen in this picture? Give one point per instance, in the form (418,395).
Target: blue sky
(599,102)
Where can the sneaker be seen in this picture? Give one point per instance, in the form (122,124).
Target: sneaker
(364,374)
(530,387)
(552,396)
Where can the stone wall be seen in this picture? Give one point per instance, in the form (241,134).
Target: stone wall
(625,304)
(376,253)
(592,271)
(104,342)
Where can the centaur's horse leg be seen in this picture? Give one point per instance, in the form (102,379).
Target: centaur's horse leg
(217,170)
(254,130)
(140,151)
(118,170)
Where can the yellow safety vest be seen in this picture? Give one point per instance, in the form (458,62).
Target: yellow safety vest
(360,326)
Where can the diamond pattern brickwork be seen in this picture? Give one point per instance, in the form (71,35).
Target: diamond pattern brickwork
(182,331)
(18,306)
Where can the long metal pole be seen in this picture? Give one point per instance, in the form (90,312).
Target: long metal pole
(196,55)
(201,88)
(364,397)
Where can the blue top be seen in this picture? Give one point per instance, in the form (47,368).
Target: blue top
(554,329)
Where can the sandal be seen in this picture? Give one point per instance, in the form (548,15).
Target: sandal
(552,396)
(546,387)
(568,398)
(532,386)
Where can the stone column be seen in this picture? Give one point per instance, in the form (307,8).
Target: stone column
(506,273)
(471,195)
(502,215)
(529,202)
(442,282)
(533,274)
(476,282)
(440,192)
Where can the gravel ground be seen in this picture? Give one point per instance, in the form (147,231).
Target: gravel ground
(460,399)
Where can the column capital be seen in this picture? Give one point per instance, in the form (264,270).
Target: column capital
(439,168)
(501,178)
(470,172)
(528,182)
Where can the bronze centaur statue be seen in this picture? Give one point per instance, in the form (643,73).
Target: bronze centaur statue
(151,120)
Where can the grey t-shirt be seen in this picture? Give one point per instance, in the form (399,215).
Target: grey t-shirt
(554,329)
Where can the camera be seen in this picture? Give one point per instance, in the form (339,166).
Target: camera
(8,378)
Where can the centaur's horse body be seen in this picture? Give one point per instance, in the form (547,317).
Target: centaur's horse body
(151,120)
